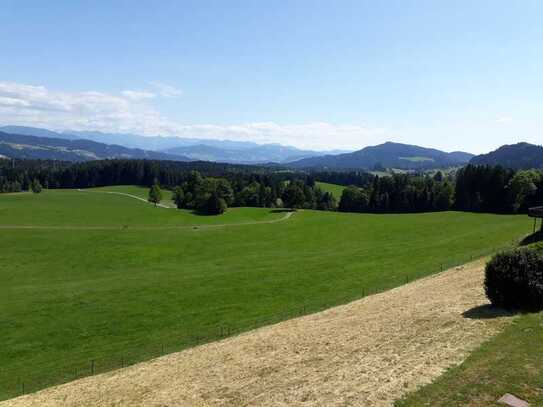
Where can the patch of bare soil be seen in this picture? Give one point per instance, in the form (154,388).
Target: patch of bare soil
(368,352)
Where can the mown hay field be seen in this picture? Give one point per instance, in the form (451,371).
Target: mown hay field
(94,276)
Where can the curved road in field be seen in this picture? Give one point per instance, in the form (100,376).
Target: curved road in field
(131,196)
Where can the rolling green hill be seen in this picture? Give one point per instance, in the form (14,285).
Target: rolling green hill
(74,290)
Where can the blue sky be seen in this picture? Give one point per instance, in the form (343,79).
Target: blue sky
(456,75)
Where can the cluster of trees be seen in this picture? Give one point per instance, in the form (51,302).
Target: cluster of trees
(497,189)
(400,193)
(212,195)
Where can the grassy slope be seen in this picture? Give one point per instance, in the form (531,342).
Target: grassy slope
(334,189)
(135,190)
(74,208)
(71,296)
(508,363)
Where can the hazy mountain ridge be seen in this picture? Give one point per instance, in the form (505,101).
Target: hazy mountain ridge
(229,151)
(259,154)
(387,155)
(516,156)
(47,148)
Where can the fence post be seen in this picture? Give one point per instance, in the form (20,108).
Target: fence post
(122,361)
(23,388)
(441,266)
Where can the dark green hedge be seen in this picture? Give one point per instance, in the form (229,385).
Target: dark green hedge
(514,279)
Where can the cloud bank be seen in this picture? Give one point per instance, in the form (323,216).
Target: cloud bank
(131,111)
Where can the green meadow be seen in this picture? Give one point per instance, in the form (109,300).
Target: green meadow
(111,279)
(334,189)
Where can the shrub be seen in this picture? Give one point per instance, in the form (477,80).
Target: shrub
(35,186)
(514,279)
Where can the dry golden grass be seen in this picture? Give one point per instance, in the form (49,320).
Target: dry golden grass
(368,352)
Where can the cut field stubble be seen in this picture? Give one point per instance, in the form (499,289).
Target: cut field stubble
(368,352)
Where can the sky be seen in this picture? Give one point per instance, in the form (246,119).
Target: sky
(454,75)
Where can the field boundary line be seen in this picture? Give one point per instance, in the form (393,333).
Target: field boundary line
(127,227)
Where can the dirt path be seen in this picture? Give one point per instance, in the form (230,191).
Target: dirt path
(130,196)
(369,352)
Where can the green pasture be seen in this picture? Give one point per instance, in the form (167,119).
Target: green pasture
(69,297)
(334,189)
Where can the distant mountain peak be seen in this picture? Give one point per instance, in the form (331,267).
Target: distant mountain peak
(521,155)
(388,155)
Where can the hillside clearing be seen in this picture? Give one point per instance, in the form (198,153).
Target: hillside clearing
(368,352)
(335,189)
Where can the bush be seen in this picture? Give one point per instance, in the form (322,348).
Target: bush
(514,279)
(35,186)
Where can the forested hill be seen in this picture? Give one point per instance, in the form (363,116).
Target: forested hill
(46,148)
(515,156)
(387,155)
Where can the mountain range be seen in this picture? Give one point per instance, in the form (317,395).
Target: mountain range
(228,151)
(387,155)
(48,148)
(39,143)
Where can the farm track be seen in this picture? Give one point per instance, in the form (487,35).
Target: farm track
(368,352)
(130,196)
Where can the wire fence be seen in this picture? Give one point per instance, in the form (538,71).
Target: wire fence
(135,352)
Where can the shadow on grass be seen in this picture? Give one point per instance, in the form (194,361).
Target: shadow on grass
(487,311)
(533,238)
(282,210)
(205,214)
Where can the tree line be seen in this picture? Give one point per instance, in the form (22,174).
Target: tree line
(497,189)
(208,187)
(399,193)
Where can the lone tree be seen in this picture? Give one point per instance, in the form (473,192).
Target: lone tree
(155,194)
(35,186)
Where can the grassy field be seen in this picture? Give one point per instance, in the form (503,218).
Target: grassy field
(117,296)
(334,189)
(508,363)
(135,190)
(95,208)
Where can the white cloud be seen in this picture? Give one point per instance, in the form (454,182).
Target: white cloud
(130,111)
(164,90)
(138,95)
(504,120)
